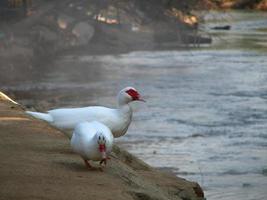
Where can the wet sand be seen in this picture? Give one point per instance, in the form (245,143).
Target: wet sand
(37,163)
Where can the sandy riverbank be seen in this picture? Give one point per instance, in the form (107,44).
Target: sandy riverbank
(37,163)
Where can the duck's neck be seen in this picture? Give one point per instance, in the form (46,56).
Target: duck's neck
(125,109)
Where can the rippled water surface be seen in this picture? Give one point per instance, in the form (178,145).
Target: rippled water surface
(206,112)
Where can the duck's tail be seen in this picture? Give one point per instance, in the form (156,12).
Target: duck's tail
(43,116)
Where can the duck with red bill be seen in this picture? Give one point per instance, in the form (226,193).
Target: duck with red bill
(92,141)
(116,119)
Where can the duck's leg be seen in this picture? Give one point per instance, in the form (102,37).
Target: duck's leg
(87,164)
(104,160)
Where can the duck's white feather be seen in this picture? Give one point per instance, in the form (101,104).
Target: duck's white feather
(43,116)
(117,120)
(84,140)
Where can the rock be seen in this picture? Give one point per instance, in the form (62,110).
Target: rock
(64,21)
(83,32)
(47,35)
(226,27)
(262,5)
(244,4)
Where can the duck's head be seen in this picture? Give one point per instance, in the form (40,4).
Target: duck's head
(128,95)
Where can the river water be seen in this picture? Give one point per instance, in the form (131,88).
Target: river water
(206,113)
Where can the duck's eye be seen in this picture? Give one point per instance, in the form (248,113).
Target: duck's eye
(99,138)
(103,138)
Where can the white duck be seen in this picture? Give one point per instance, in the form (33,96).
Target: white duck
(92,141)
(117,120)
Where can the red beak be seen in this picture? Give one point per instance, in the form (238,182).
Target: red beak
(102,149)
(135,95)
(139,98)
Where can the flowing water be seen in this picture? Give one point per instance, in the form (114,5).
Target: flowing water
(206,112)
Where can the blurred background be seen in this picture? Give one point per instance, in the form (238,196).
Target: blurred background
(200,64)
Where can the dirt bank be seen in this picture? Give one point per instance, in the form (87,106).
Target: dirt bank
(37,163)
